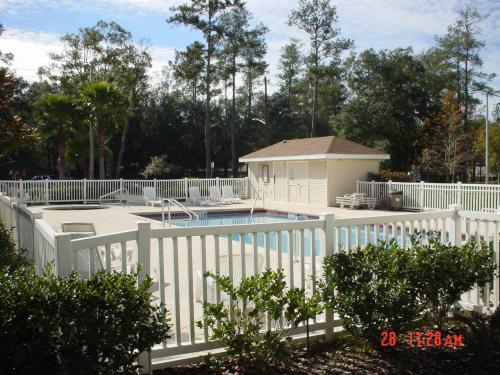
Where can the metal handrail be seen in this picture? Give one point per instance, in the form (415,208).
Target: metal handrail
(175,202)
(125,190)
(257,195)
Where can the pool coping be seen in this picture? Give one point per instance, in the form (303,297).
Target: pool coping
(228,212)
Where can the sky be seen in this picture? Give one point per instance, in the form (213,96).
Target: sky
(34,27)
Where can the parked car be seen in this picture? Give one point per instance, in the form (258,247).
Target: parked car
(43,177)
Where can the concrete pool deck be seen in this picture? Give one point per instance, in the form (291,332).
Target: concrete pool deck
(118,218)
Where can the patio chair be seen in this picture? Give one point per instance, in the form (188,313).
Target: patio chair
(224,270)
(356,200)
(227,194)
(195,197)
(83,230)
(149,195)
(216,197)
(78,230)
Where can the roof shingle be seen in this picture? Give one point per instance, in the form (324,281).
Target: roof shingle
(312,146)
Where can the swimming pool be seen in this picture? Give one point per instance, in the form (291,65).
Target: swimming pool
(261,216)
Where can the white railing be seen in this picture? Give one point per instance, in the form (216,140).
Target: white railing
(60,191)
(177,258)
(424,195)
(29,231)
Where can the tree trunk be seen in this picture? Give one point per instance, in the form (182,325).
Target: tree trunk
(100,130)
(123,144)
(265,111)
(61,149)
(315,103)
(234,165)
(208,154)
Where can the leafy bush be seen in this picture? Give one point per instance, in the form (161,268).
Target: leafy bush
(370,289)
(51,324)
(483,335)
(387,175)
(250,343)
(441,273)
(10,257)
(156,168)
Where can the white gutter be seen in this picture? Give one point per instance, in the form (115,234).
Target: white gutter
(319,157)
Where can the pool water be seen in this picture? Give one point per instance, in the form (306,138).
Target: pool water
(262,217)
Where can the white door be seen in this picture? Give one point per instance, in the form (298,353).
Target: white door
(297,181)
(279,181)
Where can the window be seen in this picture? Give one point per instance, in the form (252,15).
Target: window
(265,173)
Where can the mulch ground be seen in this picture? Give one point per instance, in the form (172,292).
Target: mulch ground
(344,356)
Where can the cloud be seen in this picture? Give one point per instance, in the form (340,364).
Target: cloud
(377,24)
(31,50)
(160,57)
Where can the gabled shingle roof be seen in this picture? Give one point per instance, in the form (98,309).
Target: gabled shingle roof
(315,148)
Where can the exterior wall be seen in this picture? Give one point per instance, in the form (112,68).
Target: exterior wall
(309,185)
(319,183)
(256,180)
(342,176)
(253,174)
(297,179)
(318,186)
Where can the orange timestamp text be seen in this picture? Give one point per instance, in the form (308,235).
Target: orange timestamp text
(417,338)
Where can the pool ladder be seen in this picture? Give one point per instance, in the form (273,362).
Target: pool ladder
(174,202)
(257,195)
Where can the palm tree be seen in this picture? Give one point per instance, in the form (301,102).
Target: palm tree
(108,108)
(57,114)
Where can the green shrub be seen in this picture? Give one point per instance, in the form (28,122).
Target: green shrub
(370,290)
(441,273)
(253,347)
(483,335)
(51,324)
(10,257)
(156,168)
(386,175)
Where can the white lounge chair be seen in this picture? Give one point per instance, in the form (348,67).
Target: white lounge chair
(82,230)
(78,230)
(216,196)
(224,270)
(356,200)
(228,195)
(196,198)
(149,196)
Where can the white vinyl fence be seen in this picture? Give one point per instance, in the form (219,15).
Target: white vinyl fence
(177,257)
(424,195)
(85,191)
(29,231)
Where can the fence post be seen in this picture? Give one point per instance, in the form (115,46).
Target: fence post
(46,183)
(455,233)
(372,189)
(389,186)
(21,190)
(121,185)
(421,195)
(64,254)
(459,193)
(186,188)
(328,241)
(357,186)
(84,191)
(217,182)
(154,187)
(143,259)
(143,249)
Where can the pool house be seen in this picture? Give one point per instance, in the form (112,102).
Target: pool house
(310,170)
